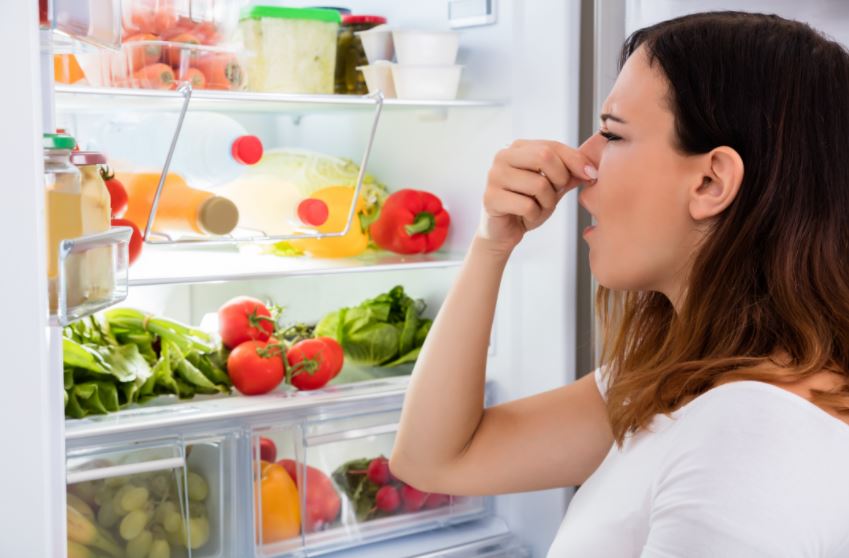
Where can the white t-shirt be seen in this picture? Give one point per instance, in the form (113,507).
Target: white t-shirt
(746,470)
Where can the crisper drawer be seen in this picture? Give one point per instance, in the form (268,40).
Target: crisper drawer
(321,486)
(158,499)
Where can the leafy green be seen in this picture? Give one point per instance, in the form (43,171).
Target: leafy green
(386,330)
(132,357)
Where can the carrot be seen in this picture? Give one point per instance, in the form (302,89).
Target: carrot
(142,55)
(195,76)
(180,54)
(222,71)
(154,76)
(66,69)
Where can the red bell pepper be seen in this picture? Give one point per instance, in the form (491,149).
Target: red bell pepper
(411,222)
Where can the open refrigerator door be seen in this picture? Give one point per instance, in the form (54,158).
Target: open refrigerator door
(239,183)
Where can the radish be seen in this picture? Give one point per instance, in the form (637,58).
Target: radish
(387,499)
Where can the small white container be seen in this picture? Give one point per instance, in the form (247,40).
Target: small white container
(377,42)
(433,83)
(379,77)
(426,48)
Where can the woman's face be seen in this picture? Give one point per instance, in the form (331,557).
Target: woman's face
(644,233)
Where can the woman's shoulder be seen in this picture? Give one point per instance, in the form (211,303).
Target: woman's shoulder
(750,460)
(763,410)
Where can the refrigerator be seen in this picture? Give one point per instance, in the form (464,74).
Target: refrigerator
(530,70)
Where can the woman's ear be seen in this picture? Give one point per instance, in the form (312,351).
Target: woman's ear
(722,175)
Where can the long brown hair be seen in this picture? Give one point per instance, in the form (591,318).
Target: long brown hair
(771,276)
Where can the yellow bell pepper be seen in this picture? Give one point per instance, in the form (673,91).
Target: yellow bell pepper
(280,512)
(338,200)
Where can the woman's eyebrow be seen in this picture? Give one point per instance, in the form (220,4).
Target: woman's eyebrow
(607,116)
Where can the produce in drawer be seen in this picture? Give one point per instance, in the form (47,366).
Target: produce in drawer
(132,357)
(375,493)
(411,222)
(322,501)
(138,516)
(277,504)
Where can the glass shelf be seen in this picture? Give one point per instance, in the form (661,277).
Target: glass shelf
(169,265)
(79,99)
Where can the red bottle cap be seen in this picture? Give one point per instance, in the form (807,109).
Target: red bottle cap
(313,212)
(355,19)
(247,150)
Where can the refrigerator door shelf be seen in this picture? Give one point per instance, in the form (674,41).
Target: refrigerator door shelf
(138,493)
(92,275)
(338,467)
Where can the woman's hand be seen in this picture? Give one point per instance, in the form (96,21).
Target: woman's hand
(524,185)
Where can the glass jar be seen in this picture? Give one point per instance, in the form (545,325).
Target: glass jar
(94,276)
(63,189)
(350,53)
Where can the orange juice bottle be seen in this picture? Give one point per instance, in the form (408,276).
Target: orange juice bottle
(181,208)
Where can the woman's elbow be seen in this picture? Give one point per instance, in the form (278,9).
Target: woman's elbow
(419,476)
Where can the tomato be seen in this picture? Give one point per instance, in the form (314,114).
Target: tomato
(244,319)
(136,241)
(323,502)
(312,364)
(280,510)
(117,193)
(335,354)
(267,450)
(256,367)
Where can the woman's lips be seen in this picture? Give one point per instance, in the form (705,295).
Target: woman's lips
(588,230)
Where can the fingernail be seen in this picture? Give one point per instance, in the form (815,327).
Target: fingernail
(591,172)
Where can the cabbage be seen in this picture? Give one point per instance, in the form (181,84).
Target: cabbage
(387,330)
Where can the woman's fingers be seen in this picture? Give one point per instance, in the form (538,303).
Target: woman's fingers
(501,202)
(530,184)
(564,166)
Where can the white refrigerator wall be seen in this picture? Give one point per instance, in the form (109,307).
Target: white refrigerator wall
(530,60)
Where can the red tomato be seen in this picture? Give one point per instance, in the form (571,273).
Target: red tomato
(312,363)
(136,241)
(243,319)
(256,367)
(323,502)
(117,193)
(267,450)
(335,353)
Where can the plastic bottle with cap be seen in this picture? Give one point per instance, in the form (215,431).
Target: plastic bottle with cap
(181,208)
(212,148)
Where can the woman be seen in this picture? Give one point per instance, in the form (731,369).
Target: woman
(719,424)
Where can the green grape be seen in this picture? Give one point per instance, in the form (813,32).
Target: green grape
(134,499)
(199,530)
(172,522)
(160,549)
(139,547)
(163,510)
(103,494)
(133,524)
(198,488)
(106,515)
(159,485)
(197,509)
(119,497)
(116,482)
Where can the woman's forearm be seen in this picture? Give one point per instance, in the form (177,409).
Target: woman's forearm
(445,399)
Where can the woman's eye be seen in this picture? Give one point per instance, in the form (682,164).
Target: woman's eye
(608,136)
